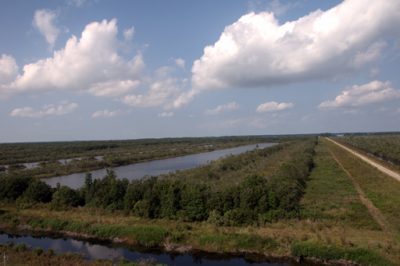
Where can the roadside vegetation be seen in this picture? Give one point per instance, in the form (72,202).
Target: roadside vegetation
(385,147)
(330,196)
(381,189)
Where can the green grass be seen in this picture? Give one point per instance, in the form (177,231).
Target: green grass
(382,190)
(320,251)
(331,196)
(384,146)
(146,236)
(237,242)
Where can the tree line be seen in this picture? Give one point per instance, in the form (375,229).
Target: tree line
(255,199)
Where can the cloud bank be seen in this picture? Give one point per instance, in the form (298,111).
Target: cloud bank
(258,51)
(273,107)
(48,110)
(360,95)
(91,63)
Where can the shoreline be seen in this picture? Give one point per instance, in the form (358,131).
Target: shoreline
(170,248)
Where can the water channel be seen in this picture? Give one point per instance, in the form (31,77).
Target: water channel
(97,250)
(155,167)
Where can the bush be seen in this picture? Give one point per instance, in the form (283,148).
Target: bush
(13,187)
(66,197)
(20,247)
(38,251)
(38,191)
(359,255)
(237,217)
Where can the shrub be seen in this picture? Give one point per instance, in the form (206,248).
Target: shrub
(359,255)
(66,197)
(13,187)
(38,191)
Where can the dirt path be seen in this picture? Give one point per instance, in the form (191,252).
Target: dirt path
(378,166)
(375,212)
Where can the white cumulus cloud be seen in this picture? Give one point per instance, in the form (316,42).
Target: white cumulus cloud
(8,69)
(273,107)
(44,22)
(161,92)
(258,51)
(105,113)
(91,63)
(360,95)
(113,87)
(48,110)
(222,108)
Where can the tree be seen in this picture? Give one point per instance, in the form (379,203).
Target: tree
(66,197)
(38,191)
(13,187)
(194,202)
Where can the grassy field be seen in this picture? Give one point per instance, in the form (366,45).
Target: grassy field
(382,190)
(331,197)
(334,223)
(383,148)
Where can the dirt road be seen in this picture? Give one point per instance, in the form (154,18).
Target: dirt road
(378,166)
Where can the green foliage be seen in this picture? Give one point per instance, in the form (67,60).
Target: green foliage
(166,197)
(65,197)
(194,202)
(20,247)
(13,187)
(237,217)
(107,193)
(237,242)
(384,146)
(359,255)
(38,191)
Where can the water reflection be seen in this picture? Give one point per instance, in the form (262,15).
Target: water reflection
(92,251)
(154,168)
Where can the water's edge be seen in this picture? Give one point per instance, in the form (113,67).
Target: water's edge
(173,251)
(154,167)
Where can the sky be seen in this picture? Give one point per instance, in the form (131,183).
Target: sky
(102,69)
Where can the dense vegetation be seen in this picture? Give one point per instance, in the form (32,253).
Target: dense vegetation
(14,153)
(62,158)
(295,198)
(385,146)
(255,198)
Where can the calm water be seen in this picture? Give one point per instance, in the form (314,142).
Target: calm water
(91,250)
(154,168)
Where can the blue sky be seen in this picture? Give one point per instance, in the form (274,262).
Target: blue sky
(101,69)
